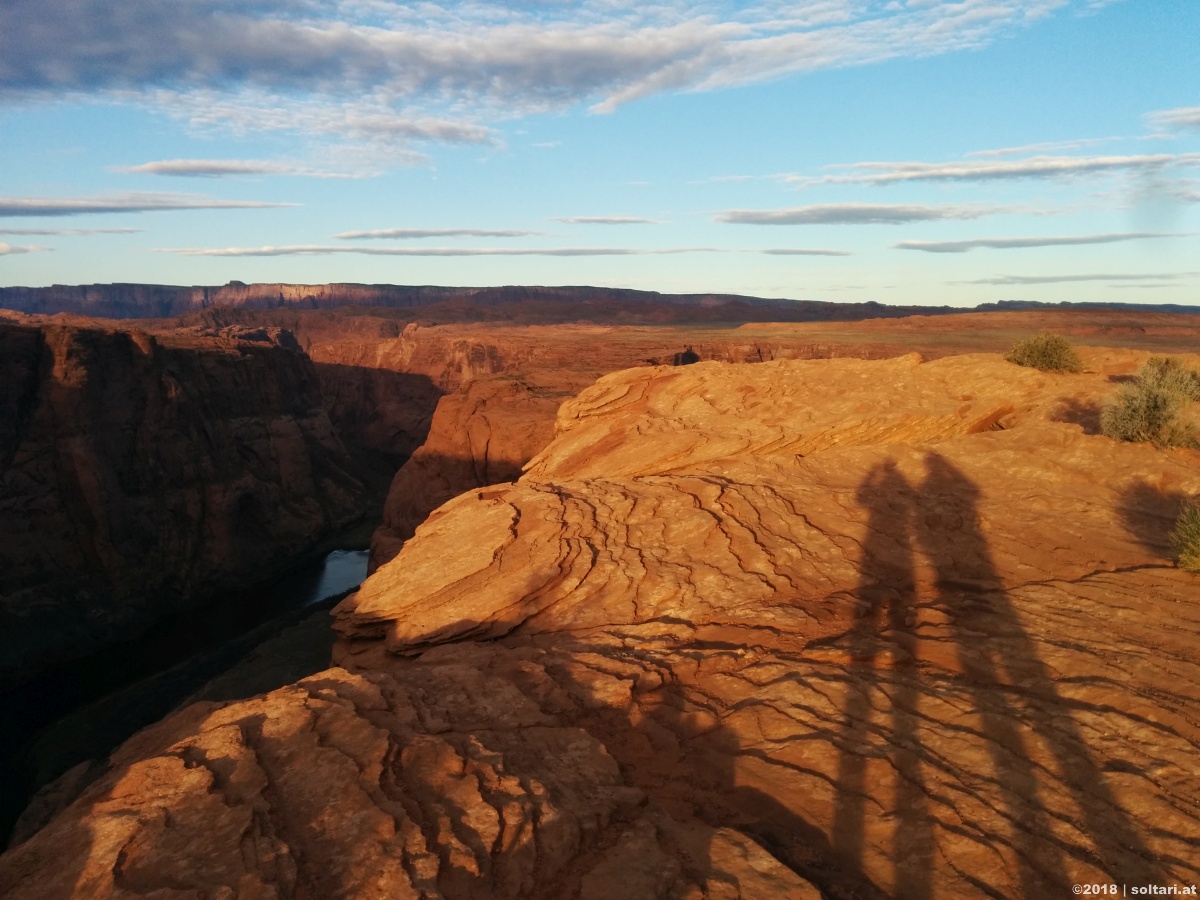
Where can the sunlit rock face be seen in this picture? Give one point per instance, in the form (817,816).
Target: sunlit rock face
(481,434)
(139,472)
(840,628)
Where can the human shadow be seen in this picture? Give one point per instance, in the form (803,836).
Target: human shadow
(882,646)
(1016,697)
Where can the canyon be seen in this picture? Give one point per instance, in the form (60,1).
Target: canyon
(848,608)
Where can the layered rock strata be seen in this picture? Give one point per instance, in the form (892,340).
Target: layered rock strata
(140,472)
(482,434)
(839,628)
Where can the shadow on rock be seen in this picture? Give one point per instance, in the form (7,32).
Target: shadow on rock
(1084,413)
(1149,512)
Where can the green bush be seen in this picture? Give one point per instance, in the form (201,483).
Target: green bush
(1151,408)
(1046,351)
(1185,539)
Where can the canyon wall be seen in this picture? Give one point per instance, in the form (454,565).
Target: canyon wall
(481,434)
(839,628)
(139,472)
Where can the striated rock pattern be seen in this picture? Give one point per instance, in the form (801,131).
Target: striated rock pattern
(482,434)
(834,628)
(140,472)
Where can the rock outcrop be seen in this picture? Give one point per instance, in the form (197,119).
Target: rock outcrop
(139,473)
(838,628)
(482,434)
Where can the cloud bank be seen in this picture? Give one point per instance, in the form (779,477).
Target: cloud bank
(128,202)
(1023,243)
(1058,279)
(852,214)
(988,170)
(225,168)
(606,220)
(1179,118)
(802,251)
(327,250)
(360,70)
(67,232)
(415,233)
(10,250)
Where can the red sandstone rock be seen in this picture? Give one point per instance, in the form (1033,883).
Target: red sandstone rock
(481,434)
(868,628)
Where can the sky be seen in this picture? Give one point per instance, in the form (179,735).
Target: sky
(901,151)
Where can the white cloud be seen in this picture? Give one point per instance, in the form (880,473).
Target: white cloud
(1028,242)
(327,250)
(1057,279)
(132,201)
(384,74)
(1033,167)
(606,220)
(225,168)
(1181,117)
(414,233)
(11,250)
(1044,147)
(853,214)
(67,232)
(803,251)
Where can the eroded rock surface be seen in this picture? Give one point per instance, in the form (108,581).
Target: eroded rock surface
(840,628)
(482,434)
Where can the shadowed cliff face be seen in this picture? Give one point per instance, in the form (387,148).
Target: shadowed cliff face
(138,473)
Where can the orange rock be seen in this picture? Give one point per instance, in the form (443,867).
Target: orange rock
(844,629)
(482,434)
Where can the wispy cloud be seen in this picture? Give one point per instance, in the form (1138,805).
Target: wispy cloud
(436,71)
(134,201)
(67,232)
(1057,279)
(606,220)
(1033,167)
(1044,147)
(1027,242)
(804,251)
(1181,117)
(225,168)
(853,214)
(415,233)
(10,250)
(327,250)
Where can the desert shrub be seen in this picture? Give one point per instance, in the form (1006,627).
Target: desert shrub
(1046,351)
(1185,539)
(1152,407)
(1171,376)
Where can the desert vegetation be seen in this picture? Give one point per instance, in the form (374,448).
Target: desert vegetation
(1046,351)
(1153,408)
(1185,539)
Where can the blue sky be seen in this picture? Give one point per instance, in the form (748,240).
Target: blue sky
(852,150)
